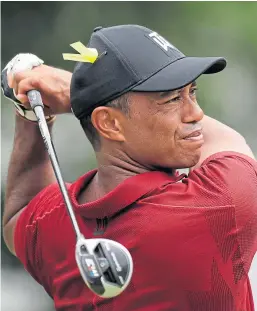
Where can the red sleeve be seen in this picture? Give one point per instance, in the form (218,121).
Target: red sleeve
(234,176)
(27,234)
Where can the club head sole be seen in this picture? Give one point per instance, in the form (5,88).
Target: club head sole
(97,280)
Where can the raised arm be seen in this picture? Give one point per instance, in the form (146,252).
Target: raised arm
(219,137)
(30,169)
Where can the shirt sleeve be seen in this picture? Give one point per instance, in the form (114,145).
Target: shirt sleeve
(233,176)
(27,235)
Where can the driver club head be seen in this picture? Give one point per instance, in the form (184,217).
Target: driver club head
(105,265)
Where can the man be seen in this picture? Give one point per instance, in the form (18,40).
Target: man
(192,238)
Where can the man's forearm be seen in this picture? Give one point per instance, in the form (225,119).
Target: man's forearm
(220,137)
(29,169)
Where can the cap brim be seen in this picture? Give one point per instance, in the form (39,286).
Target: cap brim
(181,73)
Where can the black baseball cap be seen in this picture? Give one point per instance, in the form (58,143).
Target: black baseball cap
(133,58)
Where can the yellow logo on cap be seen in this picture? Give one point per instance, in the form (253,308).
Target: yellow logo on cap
(87,55)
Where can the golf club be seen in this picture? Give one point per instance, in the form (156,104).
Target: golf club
(105,265)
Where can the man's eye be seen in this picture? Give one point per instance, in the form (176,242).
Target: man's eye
(174,99)
(193,91)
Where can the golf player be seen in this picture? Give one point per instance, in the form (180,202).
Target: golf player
(192,237)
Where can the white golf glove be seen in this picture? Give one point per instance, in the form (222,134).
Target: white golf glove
(21,62)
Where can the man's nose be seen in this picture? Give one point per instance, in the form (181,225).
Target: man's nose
(192,112)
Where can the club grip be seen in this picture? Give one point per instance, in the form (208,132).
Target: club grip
(35,99)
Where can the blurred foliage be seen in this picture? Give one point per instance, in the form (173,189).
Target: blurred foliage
(197,28)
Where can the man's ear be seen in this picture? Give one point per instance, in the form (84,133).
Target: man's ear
(108,123)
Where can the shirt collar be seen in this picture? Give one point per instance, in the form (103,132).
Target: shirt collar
(126,193)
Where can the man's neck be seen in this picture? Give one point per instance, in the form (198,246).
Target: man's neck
(112,171)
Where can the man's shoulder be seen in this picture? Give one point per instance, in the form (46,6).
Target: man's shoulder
(47,202)
(221,178)
(229,172)
(231,157)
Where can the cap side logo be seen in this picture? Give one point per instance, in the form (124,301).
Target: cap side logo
(163,43)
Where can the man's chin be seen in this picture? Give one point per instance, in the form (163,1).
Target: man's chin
(194,159)
(182,162)
(190,161)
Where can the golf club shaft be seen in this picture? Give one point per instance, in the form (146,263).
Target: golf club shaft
(37,106)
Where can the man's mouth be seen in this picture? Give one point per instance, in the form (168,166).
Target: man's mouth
(195,136)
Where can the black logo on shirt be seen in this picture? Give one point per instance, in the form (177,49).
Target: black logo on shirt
(101,226)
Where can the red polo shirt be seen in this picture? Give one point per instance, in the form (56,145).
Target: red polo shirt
(192,239)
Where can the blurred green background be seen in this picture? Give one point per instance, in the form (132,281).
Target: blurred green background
(46,29)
